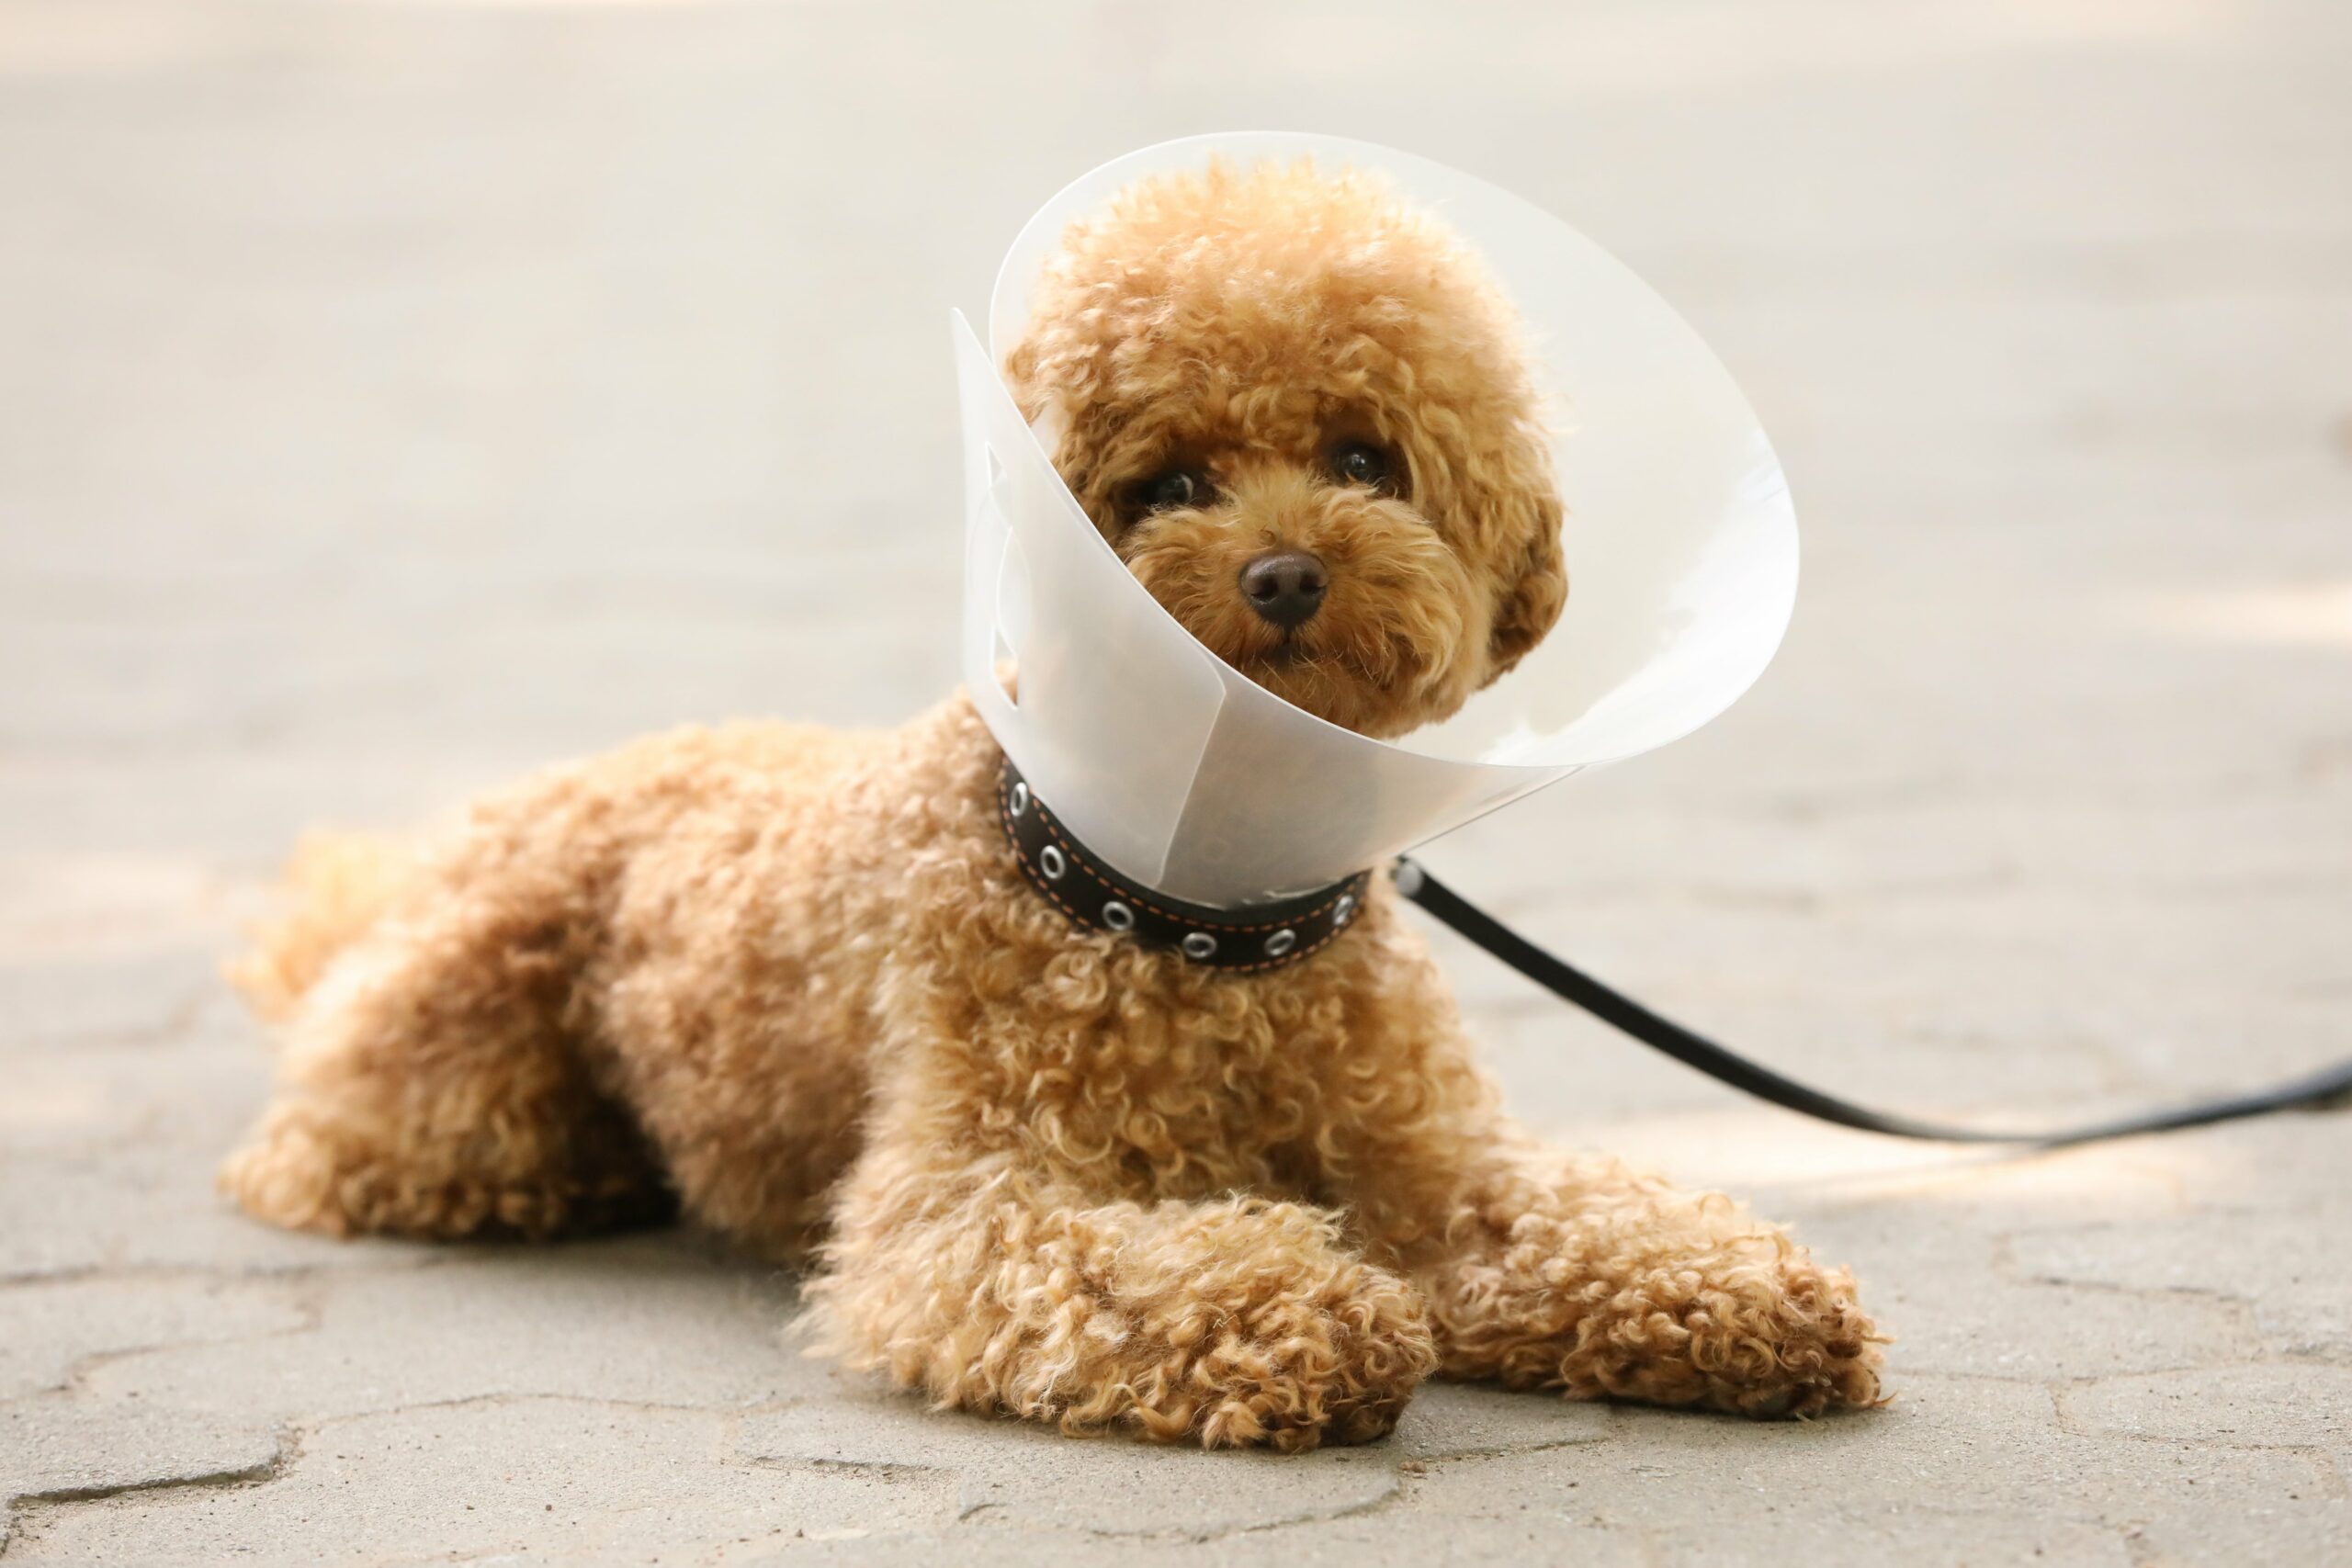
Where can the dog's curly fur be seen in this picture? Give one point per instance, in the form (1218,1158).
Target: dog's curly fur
(792,981)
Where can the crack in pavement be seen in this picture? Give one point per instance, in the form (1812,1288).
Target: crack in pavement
(288,1449)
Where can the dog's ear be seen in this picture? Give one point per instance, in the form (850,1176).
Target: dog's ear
(1054,384)
(1021,376)
(1053,374)
(1535,583)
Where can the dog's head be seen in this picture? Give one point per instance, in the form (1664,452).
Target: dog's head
(1301,413)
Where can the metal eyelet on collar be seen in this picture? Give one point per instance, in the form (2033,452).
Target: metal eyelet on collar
(1118,917)
(1200,947)
(1282,941)
(1021,797)
(1343,909)
(1051,861)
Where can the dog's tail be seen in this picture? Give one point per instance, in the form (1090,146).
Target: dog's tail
(336,888)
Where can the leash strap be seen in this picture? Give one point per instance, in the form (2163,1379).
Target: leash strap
(1614,1008)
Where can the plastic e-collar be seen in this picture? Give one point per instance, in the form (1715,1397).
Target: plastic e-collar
(1192,780)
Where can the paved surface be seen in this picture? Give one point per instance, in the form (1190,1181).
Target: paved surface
(393,397)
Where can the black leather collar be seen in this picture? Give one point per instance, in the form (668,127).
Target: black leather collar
(1259,937)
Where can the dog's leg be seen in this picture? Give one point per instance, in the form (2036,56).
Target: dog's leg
(428,1089)
(1547,1270)
(1234,1322)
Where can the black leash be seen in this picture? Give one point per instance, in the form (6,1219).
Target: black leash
(1691,1050)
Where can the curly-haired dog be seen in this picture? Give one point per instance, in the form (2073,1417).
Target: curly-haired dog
(793,981)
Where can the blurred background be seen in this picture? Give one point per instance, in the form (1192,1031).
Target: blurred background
(397,396)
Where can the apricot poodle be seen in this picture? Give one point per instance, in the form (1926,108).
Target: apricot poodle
(794,982)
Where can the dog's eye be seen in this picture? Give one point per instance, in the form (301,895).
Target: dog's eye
(1177,486)
(1360,463)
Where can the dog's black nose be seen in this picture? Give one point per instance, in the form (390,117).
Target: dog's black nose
(1286,588)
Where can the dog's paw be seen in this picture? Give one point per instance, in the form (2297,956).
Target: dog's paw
(288,1174)
(1336,1364)
(1789,1340)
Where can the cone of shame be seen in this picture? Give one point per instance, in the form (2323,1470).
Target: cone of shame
(1680,547)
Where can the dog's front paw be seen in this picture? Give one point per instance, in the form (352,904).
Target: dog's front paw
(1235,1323)
(1784,1338)
(1823,1351)
(1667,1299)
(1336,1364)
(1267,1332)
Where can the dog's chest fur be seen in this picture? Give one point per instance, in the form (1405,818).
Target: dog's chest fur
(1138,1070)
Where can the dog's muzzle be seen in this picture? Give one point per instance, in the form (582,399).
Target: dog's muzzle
(1261,937)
